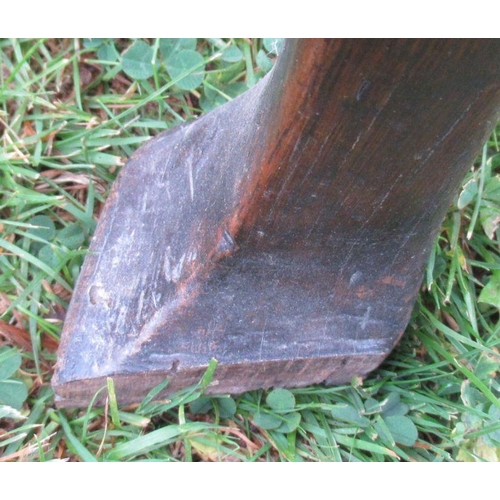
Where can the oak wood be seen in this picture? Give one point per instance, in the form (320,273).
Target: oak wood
(285,233)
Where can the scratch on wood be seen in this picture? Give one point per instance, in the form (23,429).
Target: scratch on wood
(226,244)
(449,131)
(191,181)
(262,339)
(140,306)
(144,204)
(167,189)
(154,297)
(363,89)
(365,318)
(355,278)
(172,267)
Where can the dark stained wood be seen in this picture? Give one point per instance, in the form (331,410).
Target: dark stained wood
(285,233)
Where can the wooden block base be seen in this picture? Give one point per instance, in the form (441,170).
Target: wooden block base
(285,233)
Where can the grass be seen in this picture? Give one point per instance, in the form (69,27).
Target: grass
(71,112)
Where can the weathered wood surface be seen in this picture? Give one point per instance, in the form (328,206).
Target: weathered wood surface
(285,233)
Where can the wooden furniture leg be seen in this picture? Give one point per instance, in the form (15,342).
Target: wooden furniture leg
(284,233)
